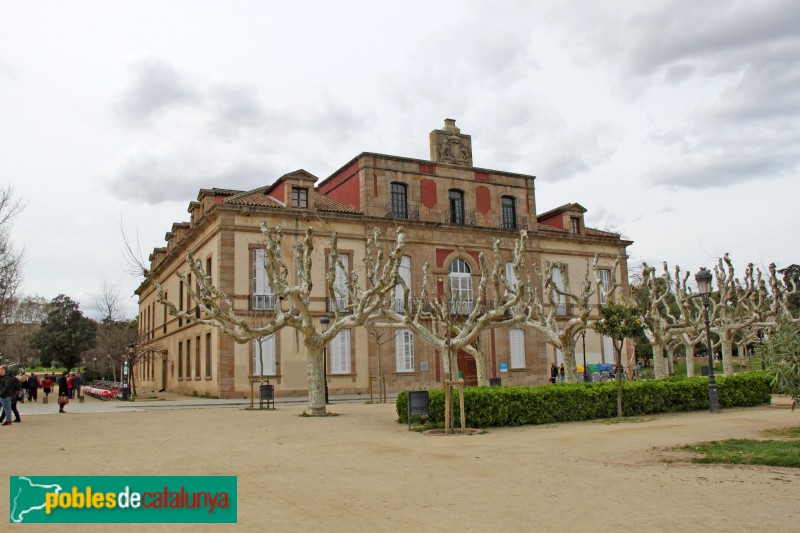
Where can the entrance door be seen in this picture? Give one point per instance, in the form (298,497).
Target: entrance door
(468,368)
(163,374)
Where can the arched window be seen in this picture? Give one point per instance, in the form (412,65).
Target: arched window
(460,278)
(456,206)
(399,200)
(509,212)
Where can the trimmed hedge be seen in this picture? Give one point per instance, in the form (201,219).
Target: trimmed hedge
(516,406)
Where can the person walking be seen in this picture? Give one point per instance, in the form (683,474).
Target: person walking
(6,392)
(19,394)
(63,392)
(33,388)
(561,373)
(70,388)
(77,381)
(47,385)
(553,373)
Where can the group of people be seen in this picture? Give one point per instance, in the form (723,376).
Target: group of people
(557,373)
(13,390)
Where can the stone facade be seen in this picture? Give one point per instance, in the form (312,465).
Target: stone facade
(450,210)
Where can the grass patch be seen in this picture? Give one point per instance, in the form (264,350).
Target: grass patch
(623,420)
(783,433)
(747,452)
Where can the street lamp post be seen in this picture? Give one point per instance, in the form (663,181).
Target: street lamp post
(585,368)
(126,391)
(703,279)
(325,321)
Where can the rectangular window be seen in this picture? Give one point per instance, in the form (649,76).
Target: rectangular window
(208,355)
(180,360)
(197,358)
(340,353)
(208,268)
(609,353)
(575,225)
(267,354)
(164,327)
(299,198)
(516,344)
(405,274)
(189,295)
(399,201)
(456,206)
(341,292)
(605,284)
(404,351)
(180,302)
(511,277)
(560,299)
(261,298)
(188,358)
(509,213)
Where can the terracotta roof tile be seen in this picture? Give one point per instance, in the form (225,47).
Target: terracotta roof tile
(324,203)
(254,197)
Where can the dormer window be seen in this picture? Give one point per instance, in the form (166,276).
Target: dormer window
(575,225)
(299,197)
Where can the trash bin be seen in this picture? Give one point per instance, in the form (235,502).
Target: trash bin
(704,370)
(267,394)
(494,382)
(418,404)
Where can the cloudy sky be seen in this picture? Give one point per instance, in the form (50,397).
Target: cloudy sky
(677,122)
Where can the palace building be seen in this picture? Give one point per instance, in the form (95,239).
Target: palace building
(451,211)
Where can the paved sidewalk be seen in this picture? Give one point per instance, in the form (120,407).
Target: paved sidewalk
(167,401)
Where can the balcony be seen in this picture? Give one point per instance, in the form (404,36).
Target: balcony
(461,307)
(399,306)
(343,304)
(512,223)
(401,212)
(563,309)
(448,217)
(262,302)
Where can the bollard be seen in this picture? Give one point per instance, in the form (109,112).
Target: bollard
(44,400)
(80,398)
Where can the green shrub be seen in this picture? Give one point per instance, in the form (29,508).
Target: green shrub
(515,406)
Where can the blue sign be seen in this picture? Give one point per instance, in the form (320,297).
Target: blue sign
(503,367)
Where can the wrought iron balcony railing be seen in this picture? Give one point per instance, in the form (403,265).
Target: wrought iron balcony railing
(401,212)
(262,302)
(512,223)
(342,303)
(467,218)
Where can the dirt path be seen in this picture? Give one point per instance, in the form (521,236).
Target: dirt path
(362,471)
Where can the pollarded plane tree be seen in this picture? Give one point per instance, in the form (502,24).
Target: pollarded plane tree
(351,304)
(691,316)
(564,335)
(663,318)
(450,324)
(737,305)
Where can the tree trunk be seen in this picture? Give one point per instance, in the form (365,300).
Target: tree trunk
(689,349)
(316,383)
(727,354)
(618,372)
(658,360)
(670,360)
(568,352)
(481,368)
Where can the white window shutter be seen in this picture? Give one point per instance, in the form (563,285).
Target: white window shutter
(340,353)
(511,276)
(516,341)
(268,353)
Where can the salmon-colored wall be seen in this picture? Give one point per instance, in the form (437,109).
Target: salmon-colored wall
(427,169)
(427,191)
(482,176)
(441,255)
(483,199)
(344,186)
(279,192)
(554,221)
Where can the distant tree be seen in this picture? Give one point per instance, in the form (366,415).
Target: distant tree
(10,259)
(782,352)
(619,321)
(65,334)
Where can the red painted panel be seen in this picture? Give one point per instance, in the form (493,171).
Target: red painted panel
(483,199)
(475,255)
(427,169)
(555,221)
(427,190)
(482,176)
(279,192)
(219,199)
(344,186)
(441,255)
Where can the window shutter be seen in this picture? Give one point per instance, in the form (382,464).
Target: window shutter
(516,341)
(404,351)
(340,353)
(511,277)
(268,353)
(405,275)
